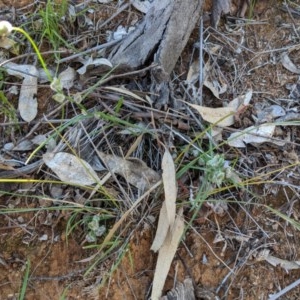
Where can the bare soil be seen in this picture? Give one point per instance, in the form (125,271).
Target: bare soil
(219,253)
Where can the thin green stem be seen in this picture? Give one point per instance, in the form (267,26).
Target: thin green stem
(36,50)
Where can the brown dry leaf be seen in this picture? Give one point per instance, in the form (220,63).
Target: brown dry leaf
(135,171)
(170,186)
(166,255)
(223,116)
(70,168)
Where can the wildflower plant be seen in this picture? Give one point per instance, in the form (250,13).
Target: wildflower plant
(95,230)
(6,29)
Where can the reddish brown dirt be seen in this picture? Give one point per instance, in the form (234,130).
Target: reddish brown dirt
(209,263)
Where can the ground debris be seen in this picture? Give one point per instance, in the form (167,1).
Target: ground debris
(182,291)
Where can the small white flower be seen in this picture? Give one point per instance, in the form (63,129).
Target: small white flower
(5,28)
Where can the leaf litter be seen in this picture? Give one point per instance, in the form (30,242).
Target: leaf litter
(139,175)
(169,229)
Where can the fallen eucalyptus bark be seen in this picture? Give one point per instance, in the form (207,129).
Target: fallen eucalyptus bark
(159,38)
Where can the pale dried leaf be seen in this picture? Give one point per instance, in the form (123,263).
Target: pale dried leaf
(270,113)
(70,168)
(254,135)
(27,99)
(93,62)
(67,78)
(170,186)
(213,81)
(39,139)
(212,87)
(102,61)
(162,229)
(275,261)
(193,73)
(135,171)
(214,132)
(285,264)
(166,255)
(241,100)
(25,145)
(221,116)
(119,34)
(124,91)
(288,64)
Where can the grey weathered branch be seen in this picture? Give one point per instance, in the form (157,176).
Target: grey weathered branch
(160,37)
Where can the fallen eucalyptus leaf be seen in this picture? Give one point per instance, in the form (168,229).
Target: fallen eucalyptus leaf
(170,186)
(25,145)
(124,91)
(27,99)
(221,116)
(134,171)
(224,116)
(167,212)
(166,255)
(253,135)
(270,113)
(70,168)
(162,229)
